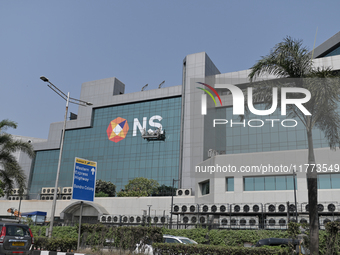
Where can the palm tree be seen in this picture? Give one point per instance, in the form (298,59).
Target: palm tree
(10,170)
(289,59)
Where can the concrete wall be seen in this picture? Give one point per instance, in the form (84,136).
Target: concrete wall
(114,206)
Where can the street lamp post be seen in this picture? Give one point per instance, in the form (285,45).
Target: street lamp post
(172,200)
(294,177)
(68,100)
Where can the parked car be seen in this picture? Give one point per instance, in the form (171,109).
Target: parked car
(15,238)
(147,248)
(284,242)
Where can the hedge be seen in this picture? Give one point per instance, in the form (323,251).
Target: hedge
(177,249)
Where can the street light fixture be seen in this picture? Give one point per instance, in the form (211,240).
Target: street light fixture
(68,100)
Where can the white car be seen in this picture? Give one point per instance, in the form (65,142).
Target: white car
(147,248)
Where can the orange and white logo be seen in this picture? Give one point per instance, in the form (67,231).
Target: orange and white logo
(117,129)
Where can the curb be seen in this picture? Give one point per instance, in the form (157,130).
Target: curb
(35,252)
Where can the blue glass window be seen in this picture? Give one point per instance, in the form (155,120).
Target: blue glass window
(230,184)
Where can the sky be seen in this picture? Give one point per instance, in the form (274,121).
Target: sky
(139,42)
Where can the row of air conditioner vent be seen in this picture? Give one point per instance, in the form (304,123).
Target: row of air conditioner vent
(281,222)
(323,220)
(50,190)
(133,219)
(194,219)
(50,197)
(217,208)
(239,222)
(322,207)
(183,192)
(16,198)
(253,208)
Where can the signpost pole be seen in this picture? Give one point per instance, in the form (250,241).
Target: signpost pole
(79,229)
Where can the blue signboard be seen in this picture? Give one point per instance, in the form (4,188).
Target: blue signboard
(84,179)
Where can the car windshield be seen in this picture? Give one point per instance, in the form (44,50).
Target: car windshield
(187,241)
(17,231)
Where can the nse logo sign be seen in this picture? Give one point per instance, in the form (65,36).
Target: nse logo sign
(119,127)
(238,104)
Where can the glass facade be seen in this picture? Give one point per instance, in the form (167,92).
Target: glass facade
(230,184)
(329,181)
(334,52)
(205,187)
(120,161)
(282,182)
(241,138)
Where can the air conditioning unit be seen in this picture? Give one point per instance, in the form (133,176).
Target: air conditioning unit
(109,218)
(234,224)
(124,219)
(194,219)
(185,219)
(322,207)
(202,219)
(15,192)
(132,219)
(193,208)
(323,220)
(13,198)
(49,190)
(115,218)
(278,208)
(304,207)
(276,223)
(205,208)
(224,222)
(247,222)
(149,219)
(102,218)
(46,197)
(219,208)
(270,207)
(237,208)
(247,208)
(157,219)
(66,197)
(45,190)
(223,208)
(183,192)
(67,190)
(176,208)
(139,219)
(303,220)
(163,219)
(184,208)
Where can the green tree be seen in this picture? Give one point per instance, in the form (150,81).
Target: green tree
(139,187)
(103,187)
(289,59)
(164,190)
(10,170)
(1,191)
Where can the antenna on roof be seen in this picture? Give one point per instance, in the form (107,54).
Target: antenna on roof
(144,87)
(314,42)
(160,85)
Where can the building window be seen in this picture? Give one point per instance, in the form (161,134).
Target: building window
(283,182)
(329,181)
(205,187)
(230,184)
